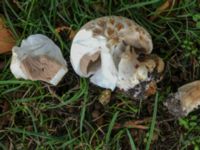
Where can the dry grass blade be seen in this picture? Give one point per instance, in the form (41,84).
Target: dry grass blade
(137,124)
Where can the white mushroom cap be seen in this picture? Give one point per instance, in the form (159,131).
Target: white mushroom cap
(38,58)
(107,49)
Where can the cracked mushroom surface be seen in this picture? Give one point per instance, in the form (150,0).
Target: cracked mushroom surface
(38,58)
(185,100)
(114,51)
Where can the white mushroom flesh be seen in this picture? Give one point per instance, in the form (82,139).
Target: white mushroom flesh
(38,58)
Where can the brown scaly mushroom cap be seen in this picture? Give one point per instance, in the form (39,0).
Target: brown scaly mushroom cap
(108,50)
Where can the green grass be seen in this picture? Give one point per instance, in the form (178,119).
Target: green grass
(35,115)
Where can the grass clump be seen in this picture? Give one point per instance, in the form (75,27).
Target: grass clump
(35,115)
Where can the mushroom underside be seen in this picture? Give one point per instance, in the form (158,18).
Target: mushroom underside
(38,58)
(40,67)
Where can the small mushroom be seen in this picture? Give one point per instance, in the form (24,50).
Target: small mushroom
(38,58)
(185,100)
(7,40)
(110,51)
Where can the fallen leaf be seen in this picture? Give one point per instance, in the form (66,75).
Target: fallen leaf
(7,40)
(168,4)
(70,31)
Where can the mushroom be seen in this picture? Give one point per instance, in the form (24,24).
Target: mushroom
(185,100)
(7,40)
(38,58)
(115,52)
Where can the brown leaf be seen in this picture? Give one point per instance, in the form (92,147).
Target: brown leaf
(70,31)
(168,4)
(7,40)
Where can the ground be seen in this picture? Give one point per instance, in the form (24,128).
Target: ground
(35,115)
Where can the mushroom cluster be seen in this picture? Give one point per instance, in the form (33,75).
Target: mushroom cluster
(116,52)
(38,58)
(185,100)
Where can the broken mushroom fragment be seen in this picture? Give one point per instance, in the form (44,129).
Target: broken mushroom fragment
(185,100)
(7,40)
(38,58)
(115,52)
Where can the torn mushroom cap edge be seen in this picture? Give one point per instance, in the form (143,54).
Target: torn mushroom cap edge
(190,96)
(32,41)
(82,56)
(185,100)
